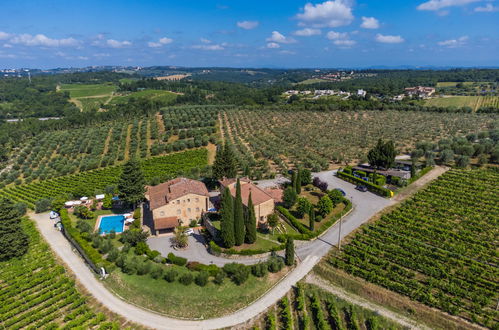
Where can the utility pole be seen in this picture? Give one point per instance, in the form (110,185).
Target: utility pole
(339,235)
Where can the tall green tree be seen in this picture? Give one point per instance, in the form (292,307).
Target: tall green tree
(290,252)
(131,185)
(311,218)
(13,241)
(298,182)
(225,164)
(289,197)
(250,222)
(239,228)
(325,205)
(382,155)
(227,219)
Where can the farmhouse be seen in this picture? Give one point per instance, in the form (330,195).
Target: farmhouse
(263,199)
(423,92)
(176,202)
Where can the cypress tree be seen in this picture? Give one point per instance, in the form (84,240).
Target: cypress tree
(290,252)
(311,217)
(227,220)
(294,180)
(132,183)
(239,228)
(225,164)
(298,182)
(250,222)
(13,241)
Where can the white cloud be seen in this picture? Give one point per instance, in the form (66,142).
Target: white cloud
(248,25)
(386,39)
(118,44)
(287,52)
(488,8)
(307,32)
(7,46)
(273,45)
(208,47)
(327,14)
(205,41)
(4,35)
(369,23)
(280,38)
(453,43)
(341,39)
(439,4)
(43,40)
(161,42)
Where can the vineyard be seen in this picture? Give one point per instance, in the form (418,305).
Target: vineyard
(473,102)
(58,153)
(37,293)
(318,140)
(439,248)
(308,307)
(160,169)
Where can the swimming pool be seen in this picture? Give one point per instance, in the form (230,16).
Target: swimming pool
(111,222)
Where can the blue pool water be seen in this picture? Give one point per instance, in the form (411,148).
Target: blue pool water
(111,222)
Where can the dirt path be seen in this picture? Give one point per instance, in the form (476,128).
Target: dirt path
(356,300)
(221,128)
(161,124)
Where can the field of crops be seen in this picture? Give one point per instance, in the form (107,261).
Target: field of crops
(37,293)
(439,248)
(56,153)
(319,139)
(474,102)
(83,90)
(89,183)
(157,95)
(309,307)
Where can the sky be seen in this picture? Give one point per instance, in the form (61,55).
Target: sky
(233,33)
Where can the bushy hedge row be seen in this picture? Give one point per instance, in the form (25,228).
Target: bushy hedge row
(217,250)
(305,233)
(92,254)
(176,260)
(370,186)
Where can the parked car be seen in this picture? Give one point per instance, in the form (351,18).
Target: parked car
(54,215)
(361,188)
(341,191)
(189,231)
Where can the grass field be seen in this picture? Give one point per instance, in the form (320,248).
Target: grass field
(473,102)
(453,83)
(78,91)
(311,81)
(189,301)
(158,95)
(36,292)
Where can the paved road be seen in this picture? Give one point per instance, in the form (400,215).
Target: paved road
(365,206)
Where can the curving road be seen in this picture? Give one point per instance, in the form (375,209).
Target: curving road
(365,206)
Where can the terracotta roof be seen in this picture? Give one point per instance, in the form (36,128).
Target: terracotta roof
(165,223)
(275,193)
(226,182)
(258,196)
(165,192)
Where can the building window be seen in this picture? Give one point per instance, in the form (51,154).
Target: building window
(197,199)
(178,201)
(197,209)
(189,210)
(162,213)
(179,211)
(188,200)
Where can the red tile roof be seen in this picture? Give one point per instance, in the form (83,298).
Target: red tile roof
(258,196)
(275,193)
(165,223)
(163,193)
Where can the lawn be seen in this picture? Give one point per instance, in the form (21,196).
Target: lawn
(80,90)
(158,95)
(90,103)
(312,81)
(191,301)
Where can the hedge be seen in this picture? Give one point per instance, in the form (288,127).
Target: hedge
(370,186)
(217,250)
(176,260)
(307,234)
(92,254)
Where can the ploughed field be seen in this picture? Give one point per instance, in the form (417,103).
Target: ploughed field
(319,139)
(439,248)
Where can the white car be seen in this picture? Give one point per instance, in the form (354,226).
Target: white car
(189,231)
(53,215)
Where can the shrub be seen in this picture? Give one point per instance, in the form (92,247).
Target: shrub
(238,273)
(83,212)
(133,236)
(130,265)
(275,264)
(152,254)
(219,278)
(43,205)
(141,248)
(156,271)
(259,270)
(144,267)
(171,275)
(325,206)
(193,223)
(113,255)
(179,261)
(186,279)
(202,278)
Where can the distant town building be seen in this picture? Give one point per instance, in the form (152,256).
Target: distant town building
(361,92)
(420,91)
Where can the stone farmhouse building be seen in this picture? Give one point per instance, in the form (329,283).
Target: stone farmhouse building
(264,200)
(176,202)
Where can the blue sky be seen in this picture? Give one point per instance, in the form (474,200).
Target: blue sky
(272,33)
